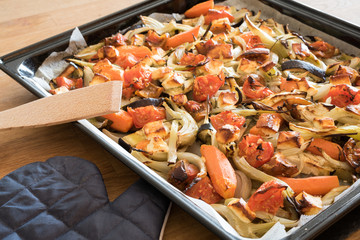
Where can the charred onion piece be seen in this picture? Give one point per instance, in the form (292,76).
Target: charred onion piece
(128,147)
(261,106)
(239,93)
(256,52)
(121,142)
(145,102)
(203,133)
(206,32)
(308,204)
(125,145)
(296,64)
(352,154)
(132,27)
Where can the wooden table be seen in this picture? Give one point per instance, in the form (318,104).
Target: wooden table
(25,22)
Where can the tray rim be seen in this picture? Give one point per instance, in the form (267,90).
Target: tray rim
(308,230)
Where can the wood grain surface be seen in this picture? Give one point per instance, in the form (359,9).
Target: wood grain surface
(70,106)
(25,22)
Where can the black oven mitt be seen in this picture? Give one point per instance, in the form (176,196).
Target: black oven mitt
(65,198)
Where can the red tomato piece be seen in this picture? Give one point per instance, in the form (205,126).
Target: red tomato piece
(214,14)
(268,197)
(197,110)
(128,92)
(126,60)
(154,40)
(203,48)
(116,40)
(192,59)
(252,41)
(227,117)
(79,83)
(66,82)
(138,77)
(253,89)
(343,95)
(105,68)
(322,49)
(204,190)
(288,85)
(205,86)
(143,115)
(121,121)
(255,150)
(69,83)
(182,174)
(130,55)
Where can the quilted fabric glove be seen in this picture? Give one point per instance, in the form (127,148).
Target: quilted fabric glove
(65,198)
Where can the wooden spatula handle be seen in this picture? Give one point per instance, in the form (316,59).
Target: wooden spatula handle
(74,105)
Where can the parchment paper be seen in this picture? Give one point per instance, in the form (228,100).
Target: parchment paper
(55,64)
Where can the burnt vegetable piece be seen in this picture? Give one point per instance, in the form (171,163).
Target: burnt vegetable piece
(298,64)
(182,174)
(308,204)
(121,142)
(202,188)
(352,154)
(145,102)
(203,132)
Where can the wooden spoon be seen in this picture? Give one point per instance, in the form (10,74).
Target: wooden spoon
(74,105)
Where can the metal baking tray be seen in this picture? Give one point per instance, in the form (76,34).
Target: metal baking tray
(22,64)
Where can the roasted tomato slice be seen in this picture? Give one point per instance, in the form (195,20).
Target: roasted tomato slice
(104,67)
(190,59)
(255,150)
(116,40)
(343,95)
(352,154)
(130,55)
(322,49)
(252,41)
(268,197)
(65,82)
(154,40)
(204,190)
(182,174)
(253,89)
(143,115)
(205,86)
(197,110)
(214,14)
(138,77)
(126,60)
(227,117)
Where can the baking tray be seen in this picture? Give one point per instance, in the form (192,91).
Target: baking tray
(22,64)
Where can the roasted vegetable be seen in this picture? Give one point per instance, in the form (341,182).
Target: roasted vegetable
(242,210)
(268,197)
(220,170)
(319,185)
(307,204)
(255,150)
(182,174)
(204,190)
(298,64)
(352,154)
(121,121)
